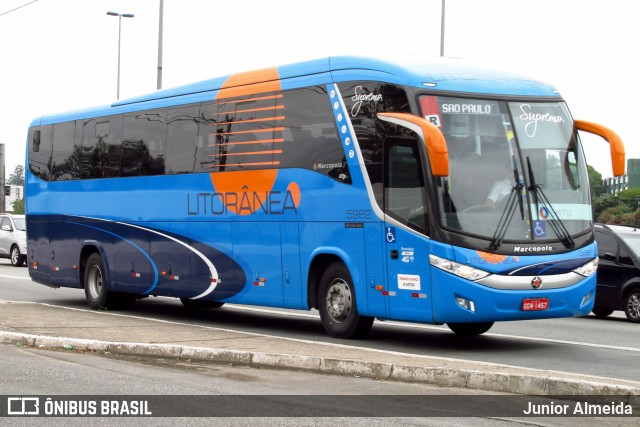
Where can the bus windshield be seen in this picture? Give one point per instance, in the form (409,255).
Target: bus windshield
(517,173)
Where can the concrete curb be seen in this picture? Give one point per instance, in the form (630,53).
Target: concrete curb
(487,380)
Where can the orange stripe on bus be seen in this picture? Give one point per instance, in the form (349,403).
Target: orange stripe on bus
(275,107)
(257,141)
(247,153)
(258,98)
(275,163)
(265,119)
(250,82)
(278,129)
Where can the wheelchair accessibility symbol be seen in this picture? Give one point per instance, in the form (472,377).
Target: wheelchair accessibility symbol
(540,229)
(391,234)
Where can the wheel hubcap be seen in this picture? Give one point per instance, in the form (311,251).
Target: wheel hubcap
(14,256)
(339,300)
(633,306)
(95,281)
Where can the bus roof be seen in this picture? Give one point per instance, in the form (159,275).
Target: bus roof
(434,74)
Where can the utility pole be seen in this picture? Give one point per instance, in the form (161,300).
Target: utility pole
(160,24)
(2,181)
(441,30)
(120,16)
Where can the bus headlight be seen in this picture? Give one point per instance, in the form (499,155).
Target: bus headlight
(588,269)
(461,270)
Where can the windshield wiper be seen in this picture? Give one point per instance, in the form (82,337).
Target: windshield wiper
(556,223)
(507,214)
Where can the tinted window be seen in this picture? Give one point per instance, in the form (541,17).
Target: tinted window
(63,148)
(310,138)
(207,146)
(606,244)
(110,132)
(404,197)
(89,152)
(364,100)
(246,129)
(143,143)
(98,154)
(40,147)
(625,258)
(182,139)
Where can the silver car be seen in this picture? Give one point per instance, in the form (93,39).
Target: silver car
(13,238)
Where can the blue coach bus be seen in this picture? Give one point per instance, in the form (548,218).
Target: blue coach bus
(423,191)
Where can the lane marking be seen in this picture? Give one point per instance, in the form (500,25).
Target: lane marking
(388,323)
(15,277)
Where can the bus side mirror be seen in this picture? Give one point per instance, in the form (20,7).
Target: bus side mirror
(615,143)
(430,135)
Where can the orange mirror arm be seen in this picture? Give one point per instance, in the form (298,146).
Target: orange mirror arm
(615,143)
(433,138)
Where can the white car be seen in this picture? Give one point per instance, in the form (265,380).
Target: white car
(13,238)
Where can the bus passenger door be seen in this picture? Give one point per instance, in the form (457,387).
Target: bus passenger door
(408,288)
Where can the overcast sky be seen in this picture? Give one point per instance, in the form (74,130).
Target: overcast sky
(59,55)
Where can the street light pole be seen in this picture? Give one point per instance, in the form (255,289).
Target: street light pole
(442,30)
(120,16)
(160,24)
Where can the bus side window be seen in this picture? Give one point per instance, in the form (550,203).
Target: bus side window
(364,100)
(310,137)
(63,145)
(404,195)
(40,151)
(206,147)
(182,139)
(143,143)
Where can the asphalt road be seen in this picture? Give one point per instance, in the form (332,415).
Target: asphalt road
(607,348)
(252,396)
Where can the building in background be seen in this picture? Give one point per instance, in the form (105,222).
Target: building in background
(11,194)
(614,185)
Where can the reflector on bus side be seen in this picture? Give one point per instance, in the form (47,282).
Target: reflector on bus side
(432,136)
(617,149)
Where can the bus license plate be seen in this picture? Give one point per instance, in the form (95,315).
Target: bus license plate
(535,304)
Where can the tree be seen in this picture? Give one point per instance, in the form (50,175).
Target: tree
(630,198)
(595,180)
(17,177)
(615,215)
(18,207)
(600,198)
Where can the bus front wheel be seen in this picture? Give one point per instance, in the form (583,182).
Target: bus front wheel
(337,304)
(95,287)
(470,328)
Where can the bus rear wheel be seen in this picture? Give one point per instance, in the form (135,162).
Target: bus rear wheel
(95,287)
(468,329)
(337,304)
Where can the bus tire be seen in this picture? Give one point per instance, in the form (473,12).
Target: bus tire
(95,287)
(468,329)
(337,304)
(632,306)
(199,304)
